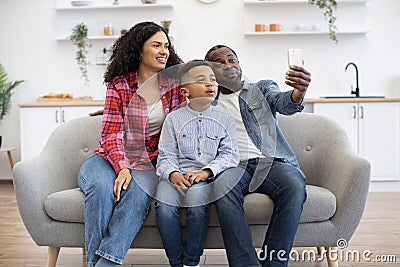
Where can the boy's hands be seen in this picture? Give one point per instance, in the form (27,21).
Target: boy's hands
(183,182)
(197,176)
(178,179)
(189,178)
(121,183)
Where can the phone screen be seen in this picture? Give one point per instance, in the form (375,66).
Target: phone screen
(295,57)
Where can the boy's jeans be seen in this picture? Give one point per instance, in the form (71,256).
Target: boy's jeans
(285,185)
(168,222)
(111,227)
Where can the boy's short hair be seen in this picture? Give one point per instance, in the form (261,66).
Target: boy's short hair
(186,67)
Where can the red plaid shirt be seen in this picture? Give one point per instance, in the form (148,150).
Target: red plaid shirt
(125,140)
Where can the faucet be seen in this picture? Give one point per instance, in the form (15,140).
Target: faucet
(357,91)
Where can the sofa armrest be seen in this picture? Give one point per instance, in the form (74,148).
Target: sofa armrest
(347,176)
(53,170)
(31,189)
(327,159)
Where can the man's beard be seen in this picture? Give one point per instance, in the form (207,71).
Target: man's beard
(230,79)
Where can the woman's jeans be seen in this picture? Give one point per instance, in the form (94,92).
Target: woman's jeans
(168,204)
(285,185)
(111,227)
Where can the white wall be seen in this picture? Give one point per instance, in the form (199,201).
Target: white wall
(29,51)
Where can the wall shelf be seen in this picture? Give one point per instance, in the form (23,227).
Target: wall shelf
(299,18)
(93,37)
(262,2)
(110,6)
(282,33)
(97,13)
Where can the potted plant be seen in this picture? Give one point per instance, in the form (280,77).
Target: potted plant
(80,39)
(6,90)
(166,24)
(328,6)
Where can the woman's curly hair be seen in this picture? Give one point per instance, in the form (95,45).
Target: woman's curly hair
(127,49)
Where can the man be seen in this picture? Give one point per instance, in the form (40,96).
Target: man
(271,167)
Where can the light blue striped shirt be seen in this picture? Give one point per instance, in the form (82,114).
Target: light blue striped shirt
(192,140)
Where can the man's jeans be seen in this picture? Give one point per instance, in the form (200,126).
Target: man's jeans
(285,185)
(168,205)
(111,227)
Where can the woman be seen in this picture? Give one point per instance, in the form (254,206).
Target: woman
(118,180)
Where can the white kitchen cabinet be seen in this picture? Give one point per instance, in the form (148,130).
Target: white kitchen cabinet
(373,131)
(38,122)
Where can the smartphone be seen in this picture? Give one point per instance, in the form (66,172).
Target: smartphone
(295,57)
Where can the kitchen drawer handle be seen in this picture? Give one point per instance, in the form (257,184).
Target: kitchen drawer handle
(56,116)
(63,116)
(354,112)
(361,112)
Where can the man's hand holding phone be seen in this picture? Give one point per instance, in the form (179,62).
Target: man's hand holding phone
(297,77)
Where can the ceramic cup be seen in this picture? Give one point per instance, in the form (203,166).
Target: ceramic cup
(316,27)
(300,28)
(274,27)
(258,27)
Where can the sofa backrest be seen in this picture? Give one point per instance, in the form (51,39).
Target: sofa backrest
(310,135)
(71,144)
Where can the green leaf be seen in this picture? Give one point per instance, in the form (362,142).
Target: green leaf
(6,90)
(79,38)
(328,6)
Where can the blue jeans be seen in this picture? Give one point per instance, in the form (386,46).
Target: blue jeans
(111,227)
(285,185)
(168,203)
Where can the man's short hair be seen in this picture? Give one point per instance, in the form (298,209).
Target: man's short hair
(207,57)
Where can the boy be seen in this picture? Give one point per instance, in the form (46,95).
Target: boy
(197,143)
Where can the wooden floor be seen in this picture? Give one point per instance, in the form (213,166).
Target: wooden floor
(377,237)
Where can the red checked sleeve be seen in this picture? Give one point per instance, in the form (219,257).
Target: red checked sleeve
(112,139)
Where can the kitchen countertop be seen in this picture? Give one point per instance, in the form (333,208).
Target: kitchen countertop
(63,103)
(307,100)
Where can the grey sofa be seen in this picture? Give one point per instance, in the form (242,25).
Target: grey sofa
(51,205)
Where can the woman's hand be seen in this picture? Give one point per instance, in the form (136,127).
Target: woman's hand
(121,183)
(96,113)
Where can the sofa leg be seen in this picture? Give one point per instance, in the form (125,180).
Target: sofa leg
(331,262)
(83,251)
(52,256)
(319,250)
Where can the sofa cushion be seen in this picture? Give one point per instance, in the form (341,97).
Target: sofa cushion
(319,206)
(68,206)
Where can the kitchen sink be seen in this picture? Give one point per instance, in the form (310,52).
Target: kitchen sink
(346,96)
